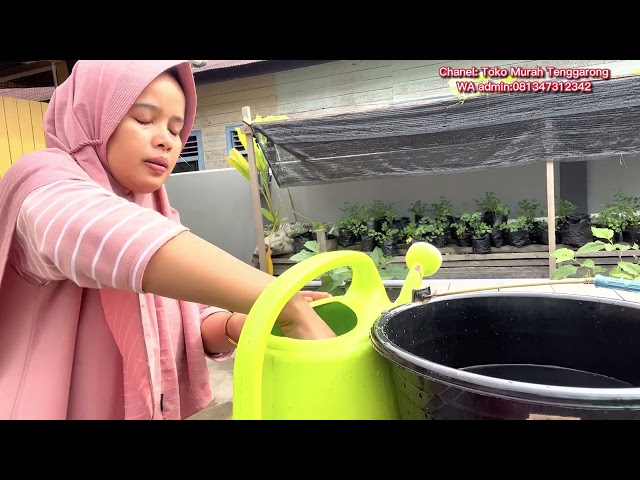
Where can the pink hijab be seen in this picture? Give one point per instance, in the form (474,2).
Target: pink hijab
(83,113)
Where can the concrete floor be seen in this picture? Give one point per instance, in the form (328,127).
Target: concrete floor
(221,373)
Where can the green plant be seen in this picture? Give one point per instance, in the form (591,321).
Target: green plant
(566,256)
(482,229)
(237,161)
(434,230)
(517,224)
(441,209)
(461,226)
(353,218)
(382,211)
(564,208)
(488,202)
(610,217)
(332,281)
(491,203)
(628,207)
(529,209)
(478,227)
(418,208)
(417,232)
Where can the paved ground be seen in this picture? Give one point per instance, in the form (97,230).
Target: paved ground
(222,372)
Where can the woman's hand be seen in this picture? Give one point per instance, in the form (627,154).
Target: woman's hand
(299,320)
(312,296)
(304,324)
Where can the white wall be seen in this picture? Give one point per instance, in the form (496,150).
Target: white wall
(512,184)
(216,205)
(606,177)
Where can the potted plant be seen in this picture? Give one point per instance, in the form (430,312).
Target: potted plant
(529,209)
(481,242)
(386,239)
(629,209)
(436,233)
(611,218)
(518,229)
(379,212)
(486,205)
(442,212)
(300,235)
(464,231)
(575,228)
(353,218)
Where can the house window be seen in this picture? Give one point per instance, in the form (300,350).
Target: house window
(191,158)
(233,141)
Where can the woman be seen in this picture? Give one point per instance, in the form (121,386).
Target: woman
(105,298)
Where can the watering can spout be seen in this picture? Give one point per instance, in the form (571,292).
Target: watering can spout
(423,260)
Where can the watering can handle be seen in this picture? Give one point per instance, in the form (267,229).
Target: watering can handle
(366,282)
(250,353)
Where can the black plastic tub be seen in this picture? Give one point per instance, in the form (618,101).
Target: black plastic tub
(513,356)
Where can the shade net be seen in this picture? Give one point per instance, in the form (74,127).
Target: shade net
(490,131)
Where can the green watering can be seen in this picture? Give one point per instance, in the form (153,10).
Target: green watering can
(277,377)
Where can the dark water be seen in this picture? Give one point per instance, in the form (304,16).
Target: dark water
(547,375)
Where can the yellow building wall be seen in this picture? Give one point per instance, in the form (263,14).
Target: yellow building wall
(21,129)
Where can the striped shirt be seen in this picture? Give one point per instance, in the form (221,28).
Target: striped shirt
(79,231)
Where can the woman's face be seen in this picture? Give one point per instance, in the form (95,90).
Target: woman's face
(146,144)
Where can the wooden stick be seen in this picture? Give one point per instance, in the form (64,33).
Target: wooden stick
(255,190)
(513,285)
(551,214)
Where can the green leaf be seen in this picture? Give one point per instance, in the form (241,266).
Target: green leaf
(608,247)
(630,268)
(622,248)
(599,269)
(376,255)
(384,275)
(341,270)
(312,245)
(564,272)
(605,233)
(591,247)
(302,255)
(333,281)
(562,255)
(394,272)
(267,215)
(616,272)
(588,263)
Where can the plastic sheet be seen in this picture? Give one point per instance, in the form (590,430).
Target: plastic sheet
(492,131)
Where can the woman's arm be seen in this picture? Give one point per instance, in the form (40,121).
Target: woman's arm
(214,338)
(78,231)
(190,268)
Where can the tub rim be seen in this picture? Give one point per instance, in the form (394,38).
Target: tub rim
(578,397)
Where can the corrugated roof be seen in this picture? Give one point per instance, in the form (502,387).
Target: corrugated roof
(215,64)
(38,94)
(43,93)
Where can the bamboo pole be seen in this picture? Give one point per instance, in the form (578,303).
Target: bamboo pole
(551,214)
(585,281)
(255,190)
